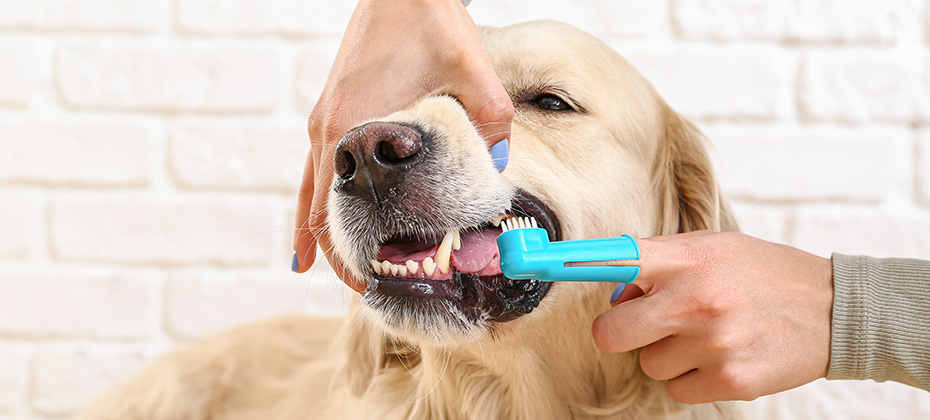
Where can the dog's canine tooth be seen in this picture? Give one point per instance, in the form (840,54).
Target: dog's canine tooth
(445,252)
(428,266)
(496,220)
(412,266)
(402,269)
(394,269)
(376,266)
(456,240)
(385,267)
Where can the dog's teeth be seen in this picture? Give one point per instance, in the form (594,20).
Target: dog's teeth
(412,266)
(444,252)
(402,269)
(394,269)
(385,267)
(428,266)
(376,265)
(496,221)
(456,240)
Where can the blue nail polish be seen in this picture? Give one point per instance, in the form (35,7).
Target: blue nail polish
(618,291)
(500,154)
(295,264)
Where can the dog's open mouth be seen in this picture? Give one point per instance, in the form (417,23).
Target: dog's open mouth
(462,267)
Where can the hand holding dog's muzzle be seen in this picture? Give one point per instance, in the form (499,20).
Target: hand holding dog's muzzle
(389,58)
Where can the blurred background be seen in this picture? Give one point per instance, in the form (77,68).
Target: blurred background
(150,152)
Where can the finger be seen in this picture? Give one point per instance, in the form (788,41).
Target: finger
(630,291)
(485,100)
(632,325)
(669,358)
(304,240)
(667,258)
(317,222)
(695,387)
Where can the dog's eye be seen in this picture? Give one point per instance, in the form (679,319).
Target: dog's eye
(550,102)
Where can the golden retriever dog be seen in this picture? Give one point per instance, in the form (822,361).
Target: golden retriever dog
(440,333)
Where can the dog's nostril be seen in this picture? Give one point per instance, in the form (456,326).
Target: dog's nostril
(345,165)
(397,147)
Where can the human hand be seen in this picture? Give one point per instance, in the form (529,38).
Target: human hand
(394,52)
(724,316)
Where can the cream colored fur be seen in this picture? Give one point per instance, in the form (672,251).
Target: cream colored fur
(626,163)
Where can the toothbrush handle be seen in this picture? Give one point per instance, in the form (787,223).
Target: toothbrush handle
(592,251)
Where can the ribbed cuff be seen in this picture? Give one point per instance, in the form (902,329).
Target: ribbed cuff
(849,319)
(881,320)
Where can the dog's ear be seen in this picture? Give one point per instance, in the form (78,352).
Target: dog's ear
(689,196)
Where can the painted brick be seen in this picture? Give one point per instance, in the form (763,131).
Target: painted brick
(605,18)
(62,383)
(718,83)
(198,303)
(232,156)
(102,153)
(12,380)
(152,230)
(85,15)
(171,78)
(76,303)
(313,66)
(859,21)
(923,168)
(876,232)
(858,86)
(256,17)
(769,163)
(22,65)
(21,228)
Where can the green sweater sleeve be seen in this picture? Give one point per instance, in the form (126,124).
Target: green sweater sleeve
(881,320)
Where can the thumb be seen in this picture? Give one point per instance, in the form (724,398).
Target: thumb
(304,237)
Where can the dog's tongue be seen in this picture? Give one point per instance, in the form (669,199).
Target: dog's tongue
(479,252)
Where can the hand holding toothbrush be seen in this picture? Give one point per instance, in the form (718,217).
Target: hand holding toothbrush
(723,316)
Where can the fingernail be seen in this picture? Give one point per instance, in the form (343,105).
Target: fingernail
(295,264)
(617,291)
(500,154)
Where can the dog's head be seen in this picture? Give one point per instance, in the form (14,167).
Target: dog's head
(595,152)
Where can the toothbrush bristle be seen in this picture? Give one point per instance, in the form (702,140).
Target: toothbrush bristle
(518,223)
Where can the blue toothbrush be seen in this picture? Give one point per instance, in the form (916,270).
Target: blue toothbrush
(526,253)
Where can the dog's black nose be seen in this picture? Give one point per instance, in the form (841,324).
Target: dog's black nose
(374,157)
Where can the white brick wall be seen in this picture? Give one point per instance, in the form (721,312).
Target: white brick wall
(150,152)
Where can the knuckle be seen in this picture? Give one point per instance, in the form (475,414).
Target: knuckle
(724,341)
(733,382)
(498,108)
